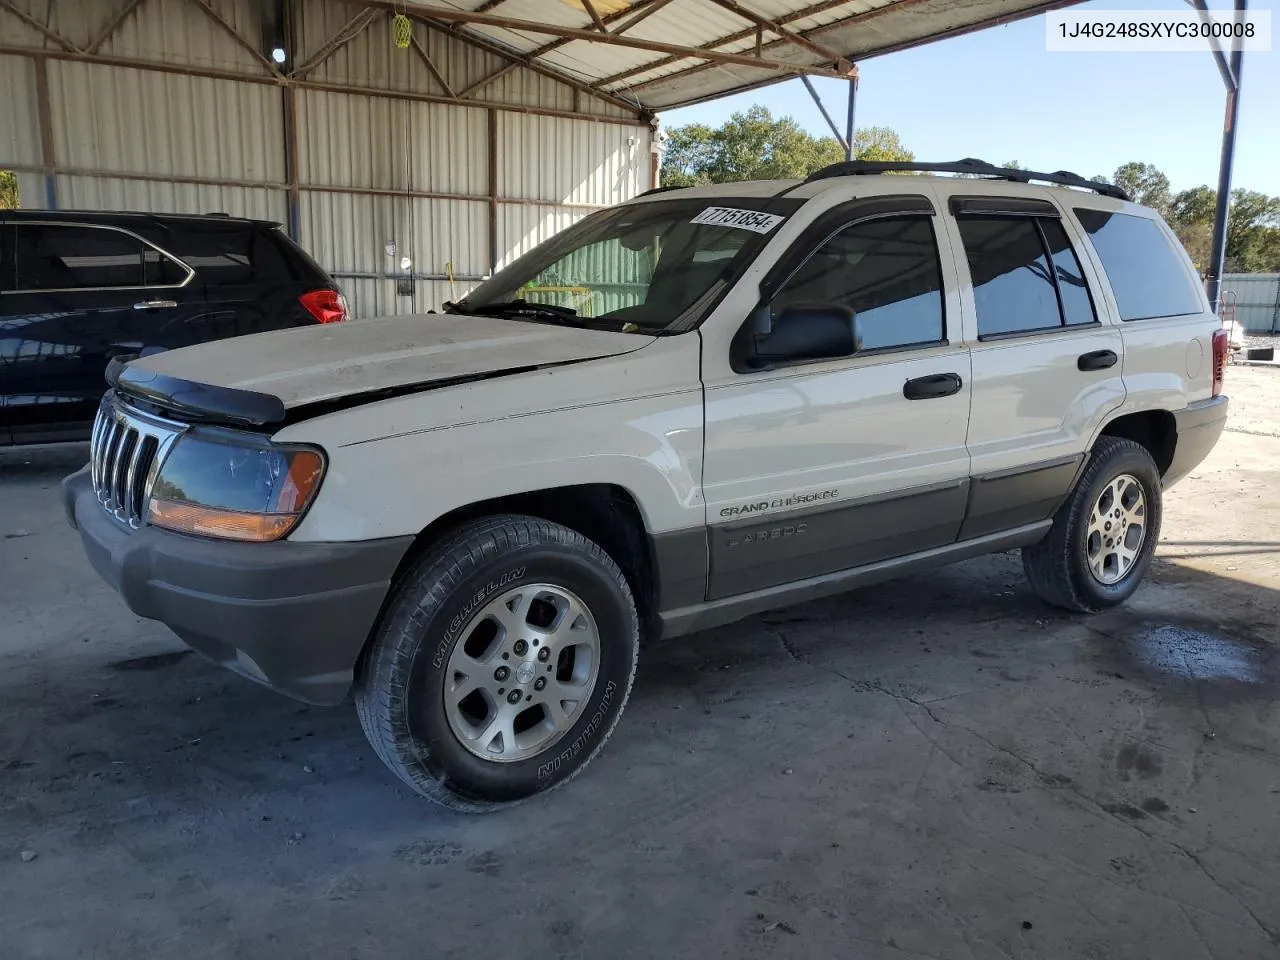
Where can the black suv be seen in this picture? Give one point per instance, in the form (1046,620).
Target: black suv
(80,289)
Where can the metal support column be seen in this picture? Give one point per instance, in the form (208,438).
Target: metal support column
(848,124)
(45,118)
(493,191)
(289,115)
(835,131)
(1218,249)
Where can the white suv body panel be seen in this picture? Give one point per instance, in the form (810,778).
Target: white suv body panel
(634,421)
(668,420)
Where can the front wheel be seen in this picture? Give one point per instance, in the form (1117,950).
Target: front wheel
(1104,536)
(502,663)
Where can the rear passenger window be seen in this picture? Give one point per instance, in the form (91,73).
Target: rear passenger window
(162,271)
(231,256)
(887,272)
(1025,275)
(1148,277)
(1077,304)
(55,257)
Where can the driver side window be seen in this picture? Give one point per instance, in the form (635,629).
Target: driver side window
(886,271)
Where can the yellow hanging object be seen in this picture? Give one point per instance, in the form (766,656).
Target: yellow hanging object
(401,31)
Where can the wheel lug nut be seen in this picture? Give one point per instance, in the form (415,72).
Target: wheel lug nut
(521,648)
(544,654)
(501,674)
(540,683)
(513,696)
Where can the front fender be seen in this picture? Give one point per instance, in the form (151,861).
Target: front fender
(634,422)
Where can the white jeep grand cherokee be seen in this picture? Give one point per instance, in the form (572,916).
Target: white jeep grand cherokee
(680,411)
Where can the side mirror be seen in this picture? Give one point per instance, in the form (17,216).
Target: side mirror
(807,331)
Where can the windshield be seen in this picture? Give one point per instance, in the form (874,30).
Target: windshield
(645,268)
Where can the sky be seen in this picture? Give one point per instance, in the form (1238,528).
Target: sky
(998,95)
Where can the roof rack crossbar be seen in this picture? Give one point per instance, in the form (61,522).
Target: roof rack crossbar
(968,165)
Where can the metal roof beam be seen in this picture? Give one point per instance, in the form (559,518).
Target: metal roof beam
(227,28)
(804,43)
(430,64)
(344,35)
(447,14)
(595,16)
(525,60)
(112,26)
(643,9)
(35,24)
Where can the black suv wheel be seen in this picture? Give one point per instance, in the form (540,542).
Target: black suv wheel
(502,663)
(1104,536)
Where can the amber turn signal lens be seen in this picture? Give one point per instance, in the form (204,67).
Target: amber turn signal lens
(304,473)
(226,524)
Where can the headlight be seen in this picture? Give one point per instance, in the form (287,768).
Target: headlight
(226,484)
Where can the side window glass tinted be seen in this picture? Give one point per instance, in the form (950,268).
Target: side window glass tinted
(55,257)
(162,271)
(1077,305)
(1147,276)
(886,271)
(1013,287)
(6,257)
(224,255)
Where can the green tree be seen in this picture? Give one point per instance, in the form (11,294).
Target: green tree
(879,144)
(1145,183)
(1252,225)
(1193,206)
(755,145)
(8,190)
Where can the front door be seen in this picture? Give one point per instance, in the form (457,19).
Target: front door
(819,467)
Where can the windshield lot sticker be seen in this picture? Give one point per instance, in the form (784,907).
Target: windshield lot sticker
(752,220)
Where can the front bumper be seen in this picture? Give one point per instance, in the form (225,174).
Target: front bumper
(293,616)
(1199,426)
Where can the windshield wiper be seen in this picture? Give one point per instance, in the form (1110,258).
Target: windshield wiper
(521,307)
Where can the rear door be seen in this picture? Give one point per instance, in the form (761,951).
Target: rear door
(818,467)
(83,294)
(1046,361)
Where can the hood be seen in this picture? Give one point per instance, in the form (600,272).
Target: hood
(326,362)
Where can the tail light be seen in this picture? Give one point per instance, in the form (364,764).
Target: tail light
(1219,360)
(327,306)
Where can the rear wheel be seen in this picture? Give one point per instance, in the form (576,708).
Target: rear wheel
(502,663)
(1105,534)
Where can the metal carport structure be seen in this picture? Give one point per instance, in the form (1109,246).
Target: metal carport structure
(409,171)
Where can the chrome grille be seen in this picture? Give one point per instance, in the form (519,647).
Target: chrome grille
(125,452)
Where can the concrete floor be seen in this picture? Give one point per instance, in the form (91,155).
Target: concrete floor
(938,768)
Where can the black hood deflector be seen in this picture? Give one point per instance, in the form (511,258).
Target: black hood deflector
(208,403)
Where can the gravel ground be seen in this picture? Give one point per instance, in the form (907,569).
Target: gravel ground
(941,767)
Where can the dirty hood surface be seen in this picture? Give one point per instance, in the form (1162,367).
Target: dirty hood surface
(324,362)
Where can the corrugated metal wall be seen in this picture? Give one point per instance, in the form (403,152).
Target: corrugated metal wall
(378,176)
(1255,298)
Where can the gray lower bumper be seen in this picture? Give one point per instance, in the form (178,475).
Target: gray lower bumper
(1199,426)
(293,616)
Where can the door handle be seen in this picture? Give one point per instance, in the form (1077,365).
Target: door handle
(154,304)
(1097,360)
(937,385)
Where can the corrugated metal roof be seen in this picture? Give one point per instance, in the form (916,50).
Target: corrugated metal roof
(668,66)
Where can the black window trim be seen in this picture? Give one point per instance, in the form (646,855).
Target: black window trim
(1196,282)
(1053,275)
(96,226)
(968,205)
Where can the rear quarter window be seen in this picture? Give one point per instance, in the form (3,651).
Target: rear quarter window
(241,256)
(1148,276)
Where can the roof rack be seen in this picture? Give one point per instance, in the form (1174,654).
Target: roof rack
(968,165)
